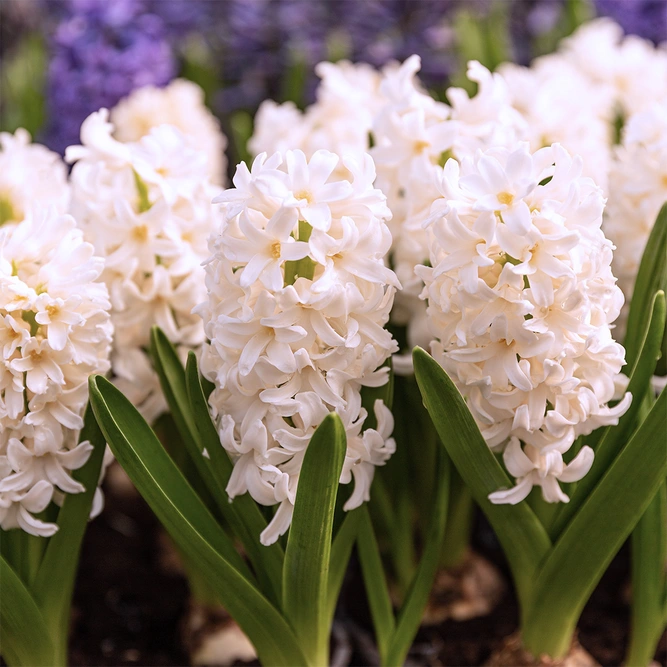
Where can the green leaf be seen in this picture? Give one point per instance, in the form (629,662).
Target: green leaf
(306,568)
(412,610)
(651,277)
(172,380)
(614,438)
(242,514)
(24,636)
(54,584)
(581,555)
(375,584)
(341,549)
(190,524)
(523,538)
(649,556)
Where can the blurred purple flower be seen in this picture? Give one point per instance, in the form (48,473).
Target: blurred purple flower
(101,51)
(262,40)
(646,18)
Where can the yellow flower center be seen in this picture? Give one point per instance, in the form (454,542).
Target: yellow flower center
(506,198)
(304,194)
(140,233)
(275,250)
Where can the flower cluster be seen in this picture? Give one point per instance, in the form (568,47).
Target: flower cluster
(55,331)
(581,94)
(411,134)
(180,104)
(520,300)
(637,191)
(146,207)
(32,178)
(298,298)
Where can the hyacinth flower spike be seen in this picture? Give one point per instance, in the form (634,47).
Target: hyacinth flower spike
(55,331)
(523,364)
(294,400)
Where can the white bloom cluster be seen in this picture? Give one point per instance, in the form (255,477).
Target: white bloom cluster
(348,98)
(55,331)
(32,178)
(411,134)
(298,299)
(146,207)
(637,191)
(180,104)
(579,95)
(520,300)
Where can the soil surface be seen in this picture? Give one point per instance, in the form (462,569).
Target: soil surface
(128,607)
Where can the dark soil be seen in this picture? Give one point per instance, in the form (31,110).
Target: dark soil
(128,607)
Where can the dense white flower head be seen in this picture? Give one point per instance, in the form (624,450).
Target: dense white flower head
(55,332)
(562,105)
(520,301)
(348,99)
(637,191)
(31,178)
(298,296)
(180,104)
(146,207)
(414,134)
(628,68)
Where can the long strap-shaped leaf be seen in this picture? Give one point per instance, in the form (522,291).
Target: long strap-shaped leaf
(412,610)
(190,524)
(577,561)
(24,637)
(523,538)
(651,277)
(171,373)
(54,584)
(306,569)
(243,514)
(649,553)
(341,550)
(615,437)
(192,422)
(375,584)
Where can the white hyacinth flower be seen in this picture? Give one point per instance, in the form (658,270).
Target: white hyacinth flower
(638,189)
(180,104)
(298,296)
(32,178)
(520,301)
(55,331)
(146,207)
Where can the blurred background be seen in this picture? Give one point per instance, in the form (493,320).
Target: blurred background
(62,59)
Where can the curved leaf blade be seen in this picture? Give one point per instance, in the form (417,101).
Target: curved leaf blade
(615,437)
(651,277)
(24,636)
(571,571)
(54,584)
(190,525)
(523,538)
(243,515)
(375,584)
(306,568)
(412,610)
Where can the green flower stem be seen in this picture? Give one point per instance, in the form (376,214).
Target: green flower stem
(300,268)
(459,522)
(649,553)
